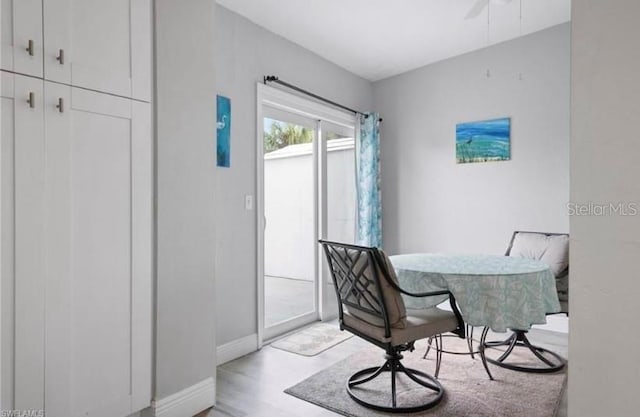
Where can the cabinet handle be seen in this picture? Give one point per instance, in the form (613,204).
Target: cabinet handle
(32,100)
(30,47)
(60,57)
(60,105)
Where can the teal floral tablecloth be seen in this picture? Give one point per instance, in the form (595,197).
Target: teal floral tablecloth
(501,292)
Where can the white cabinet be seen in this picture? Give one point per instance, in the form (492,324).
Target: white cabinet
(76,195)
(99,45)
(22,251)
(76,250)
(94,44)
(22,36)
(98,246)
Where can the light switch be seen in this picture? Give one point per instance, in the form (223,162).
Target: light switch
(248,202)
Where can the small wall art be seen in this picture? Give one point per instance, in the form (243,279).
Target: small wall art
(483,141)
(224,131)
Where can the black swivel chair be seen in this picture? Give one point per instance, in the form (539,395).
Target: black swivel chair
(371,307)
(552,249)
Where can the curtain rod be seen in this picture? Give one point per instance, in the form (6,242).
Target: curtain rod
(274,79)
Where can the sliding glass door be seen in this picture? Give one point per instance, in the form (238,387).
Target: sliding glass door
(338,202)
(289,212)
(306,191)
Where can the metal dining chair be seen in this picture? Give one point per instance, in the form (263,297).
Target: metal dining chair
(370,306)
(552,249)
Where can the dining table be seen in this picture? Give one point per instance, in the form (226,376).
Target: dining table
(496,292)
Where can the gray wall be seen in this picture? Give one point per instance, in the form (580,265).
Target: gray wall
(185,106)
(605,148)
(432,204)
(244,54)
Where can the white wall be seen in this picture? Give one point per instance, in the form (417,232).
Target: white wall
(341,197)
(605,148)
(186,207)
(432,204)
(244,54)
(289,209)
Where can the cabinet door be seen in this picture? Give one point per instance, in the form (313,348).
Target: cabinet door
(99,45)
(22,249)
(98,253)
(22,36)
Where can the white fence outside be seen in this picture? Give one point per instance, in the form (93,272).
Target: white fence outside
(289,211)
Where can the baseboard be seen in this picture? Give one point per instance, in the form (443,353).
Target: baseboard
(188,402)
(236,348)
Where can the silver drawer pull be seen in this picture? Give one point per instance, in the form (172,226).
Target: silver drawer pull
(60,57)
(60,105)
(32,100)
(30,47)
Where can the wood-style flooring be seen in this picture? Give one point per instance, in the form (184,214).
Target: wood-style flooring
(253,385)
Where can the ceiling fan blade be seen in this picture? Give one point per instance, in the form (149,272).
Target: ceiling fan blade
(476,9)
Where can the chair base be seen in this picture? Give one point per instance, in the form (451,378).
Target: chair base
(468,337)
(552,361)
(394,365)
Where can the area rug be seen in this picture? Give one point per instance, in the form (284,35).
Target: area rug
(468,390)
(312,340)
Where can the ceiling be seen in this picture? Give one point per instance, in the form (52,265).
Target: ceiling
(376,39)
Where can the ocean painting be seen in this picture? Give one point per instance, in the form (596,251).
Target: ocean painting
(224,131)
(483,141)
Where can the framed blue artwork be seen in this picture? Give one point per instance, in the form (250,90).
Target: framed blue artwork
(223,146)
(483,141)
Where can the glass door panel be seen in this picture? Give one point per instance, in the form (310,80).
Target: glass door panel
(339,200)
(290,221)
(341,186)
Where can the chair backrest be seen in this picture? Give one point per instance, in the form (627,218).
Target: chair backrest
(365,285)
(550,248)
